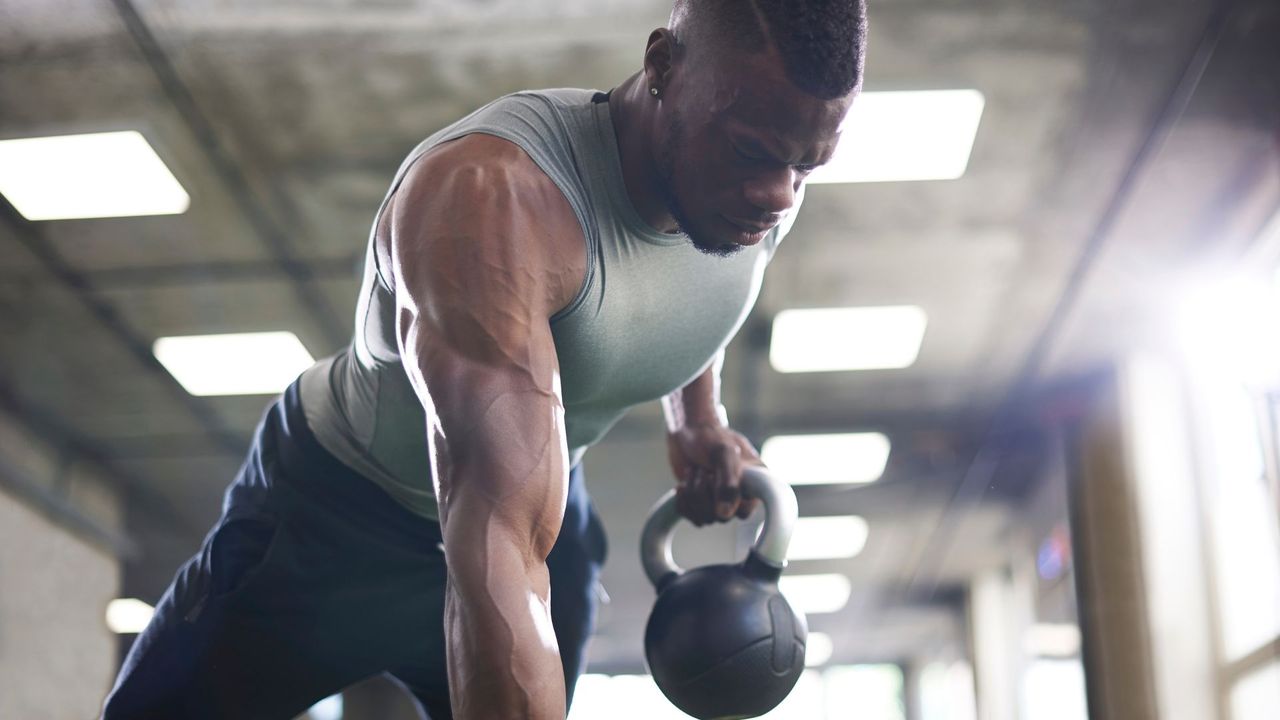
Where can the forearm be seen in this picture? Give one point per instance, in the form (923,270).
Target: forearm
(502,479)
(697,403)
(706,455)
(501,649)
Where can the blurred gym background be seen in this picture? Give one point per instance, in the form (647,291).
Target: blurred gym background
(1034,435)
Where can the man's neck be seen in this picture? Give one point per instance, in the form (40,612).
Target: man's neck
(633,111)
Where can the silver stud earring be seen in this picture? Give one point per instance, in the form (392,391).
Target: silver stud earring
(653,91)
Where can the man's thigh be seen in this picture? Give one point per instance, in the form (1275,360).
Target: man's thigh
(303,587)
(574,564)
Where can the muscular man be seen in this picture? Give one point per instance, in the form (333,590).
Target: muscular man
(415,505)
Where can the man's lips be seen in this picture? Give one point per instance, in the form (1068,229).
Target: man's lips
(748,226)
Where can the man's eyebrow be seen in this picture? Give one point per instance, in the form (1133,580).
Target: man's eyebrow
(754,145)
(751,143)
(757,146)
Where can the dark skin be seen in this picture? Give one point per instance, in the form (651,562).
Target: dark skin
(483,249)
(755,138)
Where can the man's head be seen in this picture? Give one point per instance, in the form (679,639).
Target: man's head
(751,95)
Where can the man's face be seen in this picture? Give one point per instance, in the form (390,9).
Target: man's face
(738,141)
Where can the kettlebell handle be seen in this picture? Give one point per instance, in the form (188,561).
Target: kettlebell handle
(780,514)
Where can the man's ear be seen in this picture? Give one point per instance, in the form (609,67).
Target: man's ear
(659,58)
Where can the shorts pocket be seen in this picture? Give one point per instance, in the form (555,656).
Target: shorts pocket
(239,552)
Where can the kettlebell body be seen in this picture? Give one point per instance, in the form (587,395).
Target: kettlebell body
(722,641)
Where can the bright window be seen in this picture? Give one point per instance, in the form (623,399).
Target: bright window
(946,692)
(1054,690)
(1246,544)
(1257,695)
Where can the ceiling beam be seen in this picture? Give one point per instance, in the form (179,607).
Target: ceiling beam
(45,425)
(136,343)
(237,184)
(186,275)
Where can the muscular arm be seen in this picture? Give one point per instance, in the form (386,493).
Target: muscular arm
(697,403)
(479,266)
(706,455)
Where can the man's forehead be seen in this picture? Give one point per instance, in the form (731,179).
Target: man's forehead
(777,114)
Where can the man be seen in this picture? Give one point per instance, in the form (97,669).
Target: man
(415,505)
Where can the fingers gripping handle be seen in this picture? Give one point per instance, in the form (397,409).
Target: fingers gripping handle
(780,514)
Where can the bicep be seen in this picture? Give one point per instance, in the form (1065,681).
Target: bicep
(473,305)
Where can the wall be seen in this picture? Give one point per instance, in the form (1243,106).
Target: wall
(57,658)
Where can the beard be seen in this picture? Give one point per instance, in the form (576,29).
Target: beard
(673,146)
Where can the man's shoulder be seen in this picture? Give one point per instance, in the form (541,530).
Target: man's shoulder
(556,97)
(485,192)
(523,106)
(478,162)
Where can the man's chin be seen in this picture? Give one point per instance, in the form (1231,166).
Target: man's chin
(717,249)
(705,241)
(708,244)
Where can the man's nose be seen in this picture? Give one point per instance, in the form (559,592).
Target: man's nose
(773,192)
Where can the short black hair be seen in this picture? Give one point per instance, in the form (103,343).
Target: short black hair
(821,43)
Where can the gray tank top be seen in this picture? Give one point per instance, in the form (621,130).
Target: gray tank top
(649,317)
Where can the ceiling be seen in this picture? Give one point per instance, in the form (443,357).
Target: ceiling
(285,121)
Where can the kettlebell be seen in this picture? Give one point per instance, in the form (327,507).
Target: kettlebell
(722,641)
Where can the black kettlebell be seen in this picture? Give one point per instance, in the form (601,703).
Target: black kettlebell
(722,641)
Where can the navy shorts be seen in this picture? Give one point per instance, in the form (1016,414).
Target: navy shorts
(313,579)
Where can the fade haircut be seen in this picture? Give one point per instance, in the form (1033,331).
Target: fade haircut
(821,42)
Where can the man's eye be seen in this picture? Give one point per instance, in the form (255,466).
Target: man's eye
(806,169)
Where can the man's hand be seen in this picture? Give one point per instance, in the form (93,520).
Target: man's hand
(707,460)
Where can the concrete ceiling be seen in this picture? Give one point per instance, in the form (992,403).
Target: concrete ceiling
(286,120)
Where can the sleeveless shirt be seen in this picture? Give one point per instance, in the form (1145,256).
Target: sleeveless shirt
(649,317)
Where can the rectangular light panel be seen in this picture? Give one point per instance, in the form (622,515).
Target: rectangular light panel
(818,649)
(819,538)
(896,136)
(112,174)
(852,338)
(128,616)
(836,459)
(234,364)
(816,594)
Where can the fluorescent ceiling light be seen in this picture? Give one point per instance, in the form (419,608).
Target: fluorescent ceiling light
(818,649)
(815,594)
(128,616)
(892,136)
(817,538)
(852,338)
(329,708)
(234,364)
(113,174)
(849,458)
